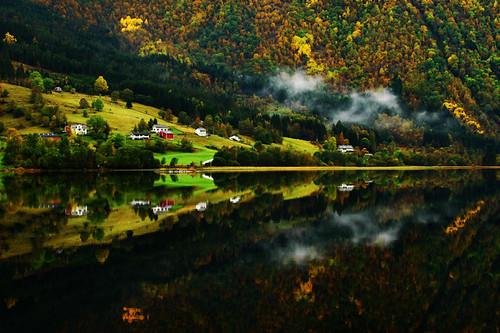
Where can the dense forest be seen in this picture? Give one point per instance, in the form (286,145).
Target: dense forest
(302,69)
(430,52)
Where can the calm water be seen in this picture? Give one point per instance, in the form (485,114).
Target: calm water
(343,251)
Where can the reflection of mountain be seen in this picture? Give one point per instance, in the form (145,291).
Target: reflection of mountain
(214,274)
(114,212)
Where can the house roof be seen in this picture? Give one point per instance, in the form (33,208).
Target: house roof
(82,125)
(160,126)
(139,133)
(48,135)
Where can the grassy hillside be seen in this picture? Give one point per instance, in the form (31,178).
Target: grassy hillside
(122,120)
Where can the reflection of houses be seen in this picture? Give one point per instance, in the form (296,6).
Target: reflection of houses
(346,188)
(139,135)
(207,177)
(201,206)
(163,207)
(139,203)
(50,205)
(346,148)
(77,211)
(235,199)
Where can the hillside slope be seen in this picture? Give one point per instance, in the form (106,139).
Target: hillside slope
(430,52)
(123,120)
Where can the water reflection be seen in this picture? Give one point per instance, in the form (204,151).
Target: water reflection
(357,251)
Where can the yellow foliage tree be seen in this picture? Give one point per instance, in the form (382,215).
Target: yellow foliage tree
(101,86)
(131,24)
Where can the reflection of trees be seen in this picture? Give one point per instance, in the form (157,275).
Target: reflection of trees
(205,273)
(98,210)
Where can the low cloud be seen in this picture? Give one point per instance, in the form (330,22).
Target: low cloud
(364,107)
(295,84)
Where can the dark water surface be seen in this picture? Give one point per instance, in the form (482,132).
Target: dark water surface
(291,252)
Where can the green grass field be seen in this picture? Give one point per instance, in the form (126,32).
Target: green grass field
(187,158)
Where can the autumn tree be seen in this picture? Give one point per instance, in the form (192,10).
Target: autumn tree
(100,86)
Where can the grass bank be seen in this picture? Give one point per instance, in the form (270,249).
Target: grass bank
(335,168)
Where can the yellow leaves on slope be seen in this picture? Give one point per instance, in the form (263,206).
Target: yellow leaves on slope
(131,24)
(462,220)
(471,5)
(303,44)
(310,3)
(460,113)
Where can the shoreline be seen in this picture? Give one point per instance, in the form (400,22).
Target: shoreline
(234,169)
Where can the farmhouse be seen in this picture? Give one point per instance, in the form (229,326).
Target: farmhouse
(159,128)
(346,148)
(139,135)
(235,138)
(80,129)
(76,211)
(58,89)
(53,136)
(166,135)
(201,132)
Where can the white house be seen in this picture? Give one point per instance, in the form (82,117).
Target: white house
(58,89)
(159,128)
(201,132)
(235,138)
(139,135)
(77,211)
(346,148)
(80,129)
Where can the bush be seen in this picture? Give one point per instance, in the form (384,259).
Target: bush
(84,104)
(98,104)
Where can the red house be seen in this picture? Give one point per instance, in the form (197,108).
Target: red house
(166,135)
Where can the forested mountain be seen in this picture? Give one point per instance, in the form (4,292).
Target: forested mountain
(430,52)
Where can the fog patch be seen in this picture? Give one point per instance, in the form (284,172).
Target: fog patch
(363,108)
(295,84)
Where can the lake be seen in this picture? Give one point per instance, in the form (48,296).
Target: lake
(250,252)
